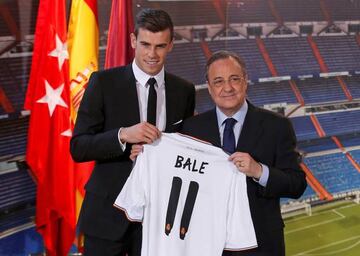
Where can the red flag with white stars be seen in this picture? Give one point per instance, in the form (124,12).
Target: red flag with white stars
(47,154)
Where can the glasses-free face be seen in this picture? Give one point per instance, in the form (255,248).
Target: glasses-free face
(151,49)
(227,85)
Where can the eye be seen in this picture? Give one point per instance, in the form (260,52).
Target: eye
(145,44)
(235,80)
(161,46)
(218,82)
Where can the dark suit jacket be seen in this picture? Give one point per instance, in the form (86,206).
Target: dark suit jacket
(111,102)
(269,139)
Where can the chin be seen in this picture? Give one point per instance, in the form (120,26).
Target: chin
(153,71)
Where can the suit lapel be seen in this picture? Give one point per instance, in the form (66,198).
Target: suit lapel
(212,128)
(171,102)
(251,131)
(129,95)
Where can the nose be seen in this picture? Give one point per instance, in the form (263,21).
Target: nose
(227,86)
(152,52)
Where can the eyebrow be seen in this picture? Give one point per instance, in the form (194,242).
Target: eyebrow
(157,45)
(220,77)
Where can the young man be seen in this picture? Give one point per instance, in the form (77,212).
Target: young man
(121,106)
(261,144)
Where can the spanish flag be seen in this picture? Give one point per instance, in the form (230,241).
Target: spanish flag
(83,43)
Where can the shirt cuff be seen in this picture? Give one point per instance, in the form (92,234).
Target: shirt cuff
(264,176)
(122,145)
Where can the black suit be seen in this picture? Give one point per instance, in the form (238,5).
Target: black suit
(111,102)
(269,139)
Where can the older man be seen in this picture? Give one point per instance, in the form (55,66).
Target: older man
(261,144)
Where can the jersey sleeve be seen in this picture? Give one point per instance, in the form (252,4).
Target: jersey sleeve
(240,233)
(131,199)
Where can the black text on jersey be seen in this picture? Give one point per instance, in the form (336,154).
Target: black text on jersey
(190,164)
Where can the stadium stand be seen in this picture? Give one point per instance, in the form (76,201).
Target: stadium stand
(306,10)
(15,74)
(317,145)
(340,53)
(356,155)
(343,10)
(320,90)
(187,60)
(335,172)
(203,101)
(353,85)
(340,122)
(9,17)
(351,141)
(272,92)
(13,134)
(248,11)
(16,189)
(204,13)
(304,128)
(249,51)
(292,56)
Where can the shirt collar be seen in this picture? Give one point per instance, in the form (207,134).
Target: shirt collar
(142,78)
(239,116)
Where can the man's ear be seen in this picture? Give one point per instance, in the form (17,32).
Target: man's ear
(171,45)
(133,40)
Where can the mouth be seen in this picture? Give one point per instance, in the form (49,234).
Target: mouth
(228,96)
(152,62)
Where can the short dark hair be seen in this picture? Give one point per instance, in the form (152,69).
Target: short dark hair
(220,55)
(154,20)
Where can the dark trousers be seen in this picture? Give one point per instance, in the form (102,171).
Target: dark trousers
(130,246)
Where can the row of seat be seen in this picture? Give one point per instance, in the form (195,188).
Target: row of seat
(336,123)
(290,56)
(202,12)
(335,172)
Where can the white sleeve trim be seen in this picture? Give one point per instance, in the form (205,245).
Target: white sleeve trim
(127,214)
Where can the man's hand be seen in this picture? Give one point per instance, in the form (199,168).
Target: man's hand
(140,133)
(246,164)
(136,149)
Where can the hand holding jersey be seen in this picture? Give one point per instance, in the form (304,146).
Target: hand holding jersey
(190,198)
(246,164)
(141,132)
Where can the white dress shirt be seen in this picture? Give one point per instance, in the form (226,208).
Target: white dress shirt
(142,89)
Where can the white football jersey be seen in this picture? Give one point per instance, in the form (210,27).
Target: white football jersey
(190,198)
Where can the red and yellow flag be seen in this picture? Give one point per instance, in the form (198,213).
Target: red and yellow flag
(83,39)
(47,153)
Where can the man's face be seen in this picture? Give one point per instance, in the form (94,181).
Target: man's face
(227,85)
(151,49)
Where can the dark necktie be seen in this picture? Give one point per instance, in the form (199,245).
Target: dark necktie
(151,107)
(228,136)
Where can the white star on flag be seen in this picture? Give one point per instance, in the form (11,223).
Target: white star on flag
(60,51)
(67,133)
(52,97)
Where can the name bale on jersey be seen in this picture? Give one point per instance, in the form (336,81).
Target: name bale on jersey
(190,164)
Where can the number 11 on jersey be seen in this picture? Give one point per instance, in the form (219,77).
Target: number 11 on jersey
(188,207)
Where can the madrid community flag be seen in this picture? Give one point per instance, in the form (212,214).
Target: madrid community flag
(83,45)
(119,51)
